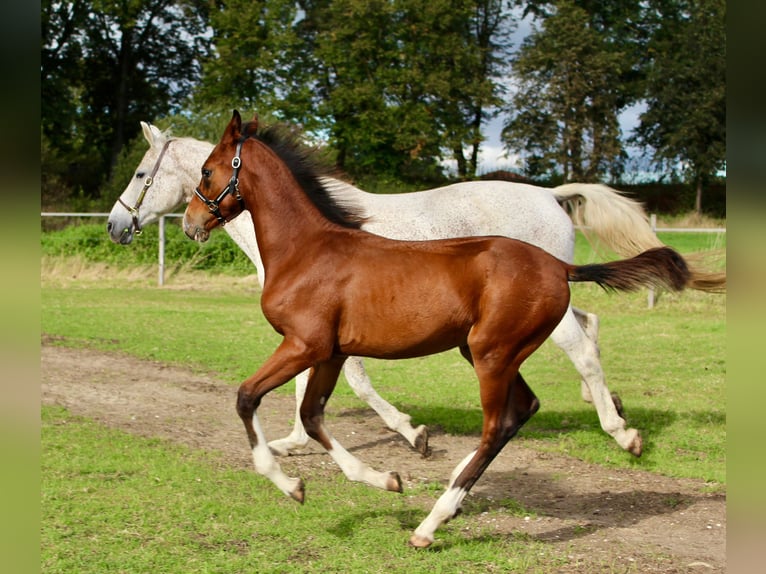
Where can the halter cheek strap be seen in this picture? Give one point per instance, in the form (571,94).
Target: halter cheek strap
(231,188)
(147,184)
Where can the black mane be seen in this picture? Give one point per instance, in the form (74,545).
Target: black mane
(307,169)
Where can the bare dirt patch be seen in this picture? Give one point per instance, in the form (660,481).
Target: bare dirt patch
(596,519)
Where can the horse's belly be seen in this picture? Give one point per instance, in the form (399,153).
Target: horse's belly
(398,339)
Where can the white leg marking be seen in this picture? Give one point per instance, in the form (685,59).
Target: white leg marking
(445,508)
(459,468)
(267,465)
(298,438)
(355,470)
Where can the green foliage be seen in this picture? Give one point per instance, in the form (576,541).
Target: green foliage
(685,120)
(89,241)
(395,86)
(104,67)
(564,117)
(392,89)
(256,55)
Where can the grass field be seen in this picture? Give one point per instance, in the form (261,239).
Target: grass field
(668,364)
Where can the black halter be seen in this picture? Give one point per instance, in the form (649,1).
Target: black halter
(147,184)
(231,188)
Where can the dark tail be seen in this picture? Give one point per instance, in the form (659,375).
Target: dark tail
(658,267)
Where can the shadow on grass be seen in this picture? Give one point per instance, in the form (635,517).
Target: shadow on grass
(547,423)
(568,514)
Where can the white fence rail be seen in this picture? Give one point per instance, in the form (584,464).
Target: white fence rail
(161,240)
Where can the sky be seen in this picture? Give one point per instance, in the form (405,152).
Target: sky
(493,156)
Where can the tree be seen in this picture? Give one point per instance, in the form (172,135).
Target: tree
(394,85)
(571,87)
(487,36)
(685,120)
(107,65)
(254,61)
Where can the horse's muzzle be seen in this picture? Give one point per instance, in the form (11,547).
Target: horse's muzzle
(123,237)
(195,232)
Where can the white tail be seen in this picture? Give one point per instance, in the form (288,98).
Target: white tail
(605,215)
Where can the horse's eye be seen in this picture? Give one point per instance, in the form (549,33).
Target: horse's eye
(206,172)
(139,175)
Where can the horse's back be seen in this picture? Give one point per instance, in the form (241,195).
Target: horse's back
(515,210)
(409,298)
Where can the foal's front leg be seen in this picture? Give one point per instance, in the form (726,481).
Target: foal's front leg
(288,360)
(360,383)
(320,386)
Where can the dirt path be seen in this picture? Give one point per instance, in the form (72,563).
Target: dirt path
(633,520)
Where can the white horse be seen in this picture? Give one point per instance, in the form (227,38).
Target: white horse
(169,172)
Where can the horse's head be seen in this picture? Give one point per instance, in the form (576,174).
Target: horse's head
(217,199)
(155,189)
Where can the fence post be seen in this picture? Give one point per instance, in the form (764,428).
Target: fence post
(161,254)
(653,224)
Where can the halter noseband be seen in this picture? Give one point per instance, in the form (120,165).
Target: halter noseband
(147,184)
(231,188)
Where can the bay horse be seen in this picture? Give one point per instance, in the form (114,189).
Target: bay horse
(169,171)
(333,290)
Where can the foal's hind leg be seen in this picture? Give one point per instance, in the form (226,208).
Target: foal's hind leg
(506,408)
(584,353)
(320,386)
(298,437)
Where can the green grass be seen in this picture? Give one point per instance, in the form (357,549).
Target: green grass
(113,502)
(667,364)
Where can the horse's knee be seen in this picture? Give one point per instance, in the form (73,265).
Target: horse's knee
(247,403)
(312,419)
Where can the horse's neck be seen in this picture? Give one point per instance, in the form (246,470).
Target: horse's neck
(285,219)
(191,155)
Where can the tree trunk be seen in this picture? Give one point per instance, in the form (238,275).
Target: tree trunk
(698,198)
(462,165)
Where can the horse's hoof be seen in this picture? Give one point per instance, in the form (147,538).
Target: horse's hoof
(299,493)
(419,541)
(636,445)
(421,441)
(394,482)
(618,405)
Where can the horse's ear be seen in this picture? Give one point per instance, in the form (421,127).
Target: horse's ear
(235,126)
(251,127)
(146,128)
(152,134)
